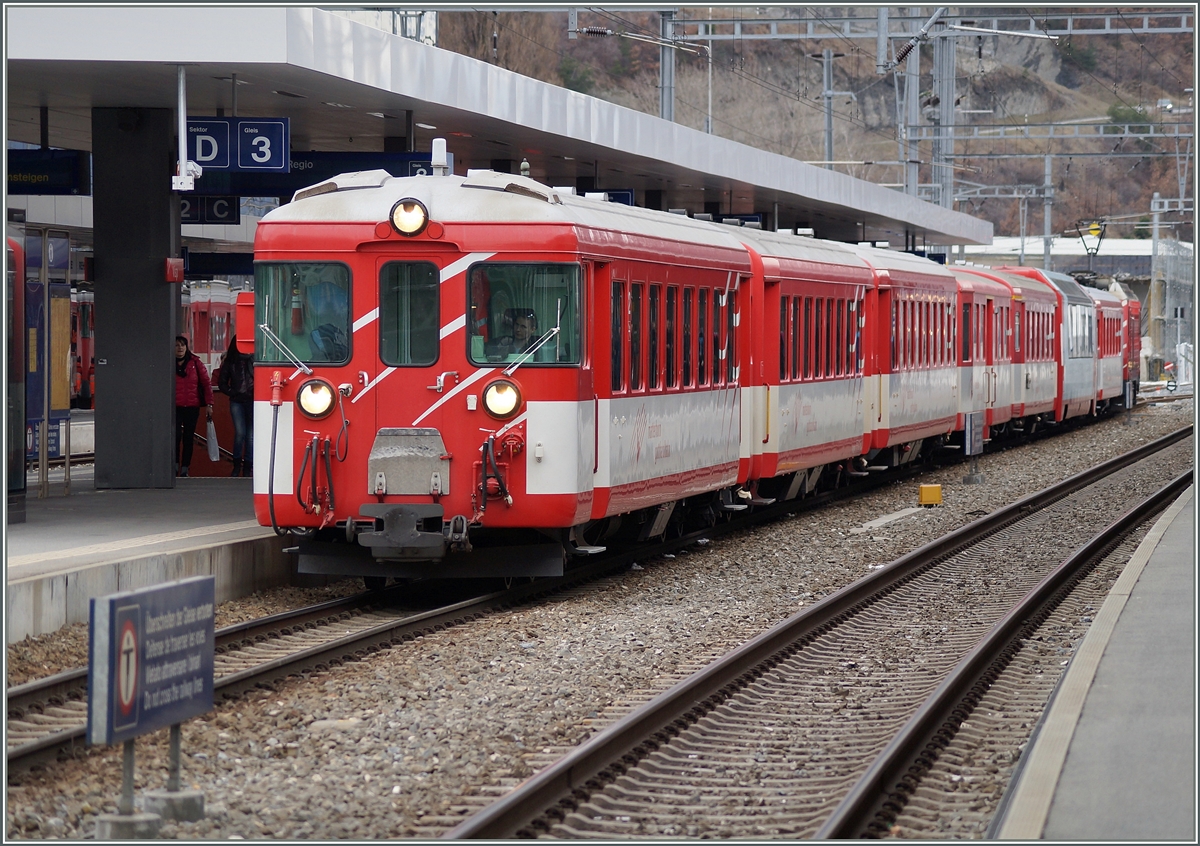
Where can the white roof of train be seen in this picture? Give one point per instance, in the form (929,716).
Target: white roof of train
(487,196)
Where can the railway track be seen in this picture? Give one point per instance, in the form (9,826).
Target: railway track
(824,725)
(47,718)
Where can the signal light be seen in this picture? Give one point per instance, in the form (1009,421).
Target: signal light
(315,398)
(409,217)
(502,399)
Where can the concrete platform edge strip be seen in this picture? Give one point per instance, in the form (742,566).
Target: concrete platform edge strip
(131,543)
(44,604)
(1026,817)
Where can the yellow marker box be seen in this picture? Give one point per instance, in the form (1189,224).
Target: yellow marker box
(930,495)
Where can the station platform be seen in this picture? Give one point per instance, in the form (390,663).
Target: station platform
(97,542)
(1114,757)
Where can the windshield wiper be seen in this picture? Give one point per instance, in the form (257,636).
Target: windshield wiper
(288,354)
(525,356)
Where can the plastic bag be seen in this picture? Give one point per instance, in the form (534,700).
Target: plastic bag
(214,450)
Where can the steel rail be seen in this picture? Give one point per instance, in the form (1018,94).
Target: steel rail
(616,748)
(62,685)
(872,804)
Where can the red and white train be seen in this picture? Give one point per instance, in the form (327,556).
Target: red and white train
(483,375)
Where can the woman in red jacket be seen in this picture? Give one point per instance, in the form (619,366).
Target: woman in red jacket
(192,390)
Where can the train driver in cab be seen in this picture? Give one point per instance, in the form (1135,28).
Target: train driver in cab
(524,334)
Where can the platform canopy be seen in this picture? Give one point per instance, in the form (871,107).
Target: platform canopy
(346,86)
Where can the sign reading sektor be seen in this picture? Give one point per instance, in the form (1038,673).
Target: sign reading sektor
(150,661)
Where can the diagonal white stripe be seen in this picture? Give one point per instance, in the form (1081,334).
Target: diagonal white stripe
(453,326)
(366,319)
(387,372)
(454,268)
(461,386)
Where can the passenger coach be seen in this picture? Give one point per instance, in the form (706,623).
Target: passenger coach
(482,375)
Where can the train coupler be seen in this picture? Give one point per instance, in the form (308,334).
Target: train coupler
(404,533)
(456,533)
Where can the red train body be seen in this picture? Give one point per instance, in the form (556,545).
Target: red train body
(406,425)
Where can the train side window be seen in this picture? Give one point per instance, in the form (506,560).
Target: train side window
(936,340)
(829,336)
(702,338)
(819,330)
(859,352)
(965,329)
(408,313)
(980,339)
(635,336)
(797,339)
(851,336)
(932,331)
(839,335)
(652,370)
(784,335)
(718,353)
(808,333)
(672,305)
(618,335)
(688,295)
(730,339)
(895,335)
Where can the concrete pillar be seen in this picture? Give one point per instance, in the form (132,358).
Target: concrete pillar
(136,229)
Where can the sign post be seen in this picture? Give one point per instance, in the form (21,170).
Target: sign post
(150,666)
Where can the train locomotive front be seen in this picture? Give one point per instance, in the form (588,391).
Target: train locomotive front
(419,350)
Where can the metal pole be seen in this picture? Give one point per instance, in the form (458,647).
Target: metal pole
(181,79)
(1047,202)
(126,806)
(233,77)
(66,438)
(827,93)
(1158,309)
(708,121)
(173,771)
(945,89)
(912,104)
(44,428)
(666,69)
(1024,209)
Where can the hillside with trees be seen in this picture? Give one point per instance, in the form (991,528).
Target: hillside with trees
(767,94)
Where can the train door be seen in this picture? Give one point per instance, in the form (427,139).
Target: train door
(413,356)
(1018,358)
(991,338)
(966,355)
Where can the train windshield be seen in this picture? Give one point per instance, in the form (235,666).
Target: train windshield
(307,306)
(523,312)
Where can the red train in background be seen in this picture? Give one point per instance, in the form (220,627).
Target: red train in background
(207,309)
(483,375)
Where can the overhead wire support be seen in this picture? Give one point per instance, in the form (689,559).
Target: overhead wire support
(676,44)
(921,35)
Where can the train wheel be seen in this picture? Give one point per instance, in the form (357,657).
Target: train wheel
(375,582)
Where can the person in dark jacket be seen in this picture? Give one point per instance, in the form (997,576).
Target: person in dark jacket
(235,379)
(193,390)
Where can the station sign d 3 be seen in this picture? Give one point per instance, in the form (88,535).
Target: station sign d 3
(150,659)
(240,144)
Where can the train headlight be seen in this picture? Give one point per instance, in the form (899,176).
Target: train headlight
(315,398)
(409,217)
(502,398)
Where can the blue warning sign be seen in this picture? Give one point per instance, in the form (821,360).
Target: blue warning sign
(150,659)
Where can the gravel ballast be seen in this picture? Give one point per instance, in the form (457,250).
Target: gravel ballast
(387,746)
